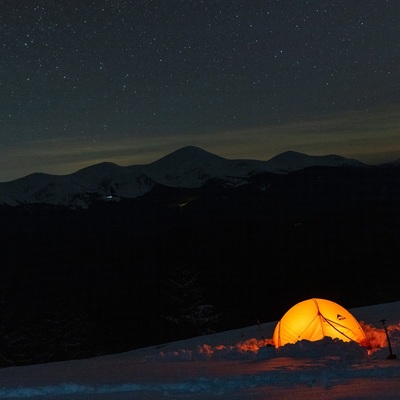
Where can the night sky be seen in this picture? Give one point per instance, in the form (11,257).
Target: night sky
(85,81)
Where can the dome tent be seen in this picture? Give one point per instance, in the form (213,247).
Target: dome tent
(314,319)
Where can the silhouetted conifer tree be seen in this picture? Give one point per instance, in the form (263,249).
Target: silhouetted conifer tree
(188,312)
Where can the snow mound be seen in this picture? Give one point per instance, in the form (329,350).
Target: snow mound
(254,349)
(326,347)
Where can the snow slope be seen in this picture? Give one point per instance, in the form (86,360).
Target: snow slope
(231,365)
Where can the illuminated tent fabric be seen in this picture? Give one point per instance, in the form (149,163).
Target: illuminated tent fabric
(314,319)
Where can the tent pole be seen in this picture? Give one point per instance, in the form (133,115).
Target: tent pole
(391,355)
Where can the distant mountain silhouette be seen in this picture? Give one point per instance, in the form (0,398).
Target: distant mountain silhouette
(188,167)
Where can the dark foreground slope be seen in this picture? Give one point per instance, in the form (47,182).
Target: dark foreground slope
(76,283)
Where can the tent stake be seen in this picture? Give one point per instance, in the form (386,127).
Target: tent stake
(391,355)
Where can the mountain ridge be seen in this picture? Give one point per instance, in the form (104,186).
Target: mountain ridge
(187,167)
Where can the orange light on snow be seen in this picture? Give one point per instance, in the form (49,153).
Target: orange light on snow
(314,319)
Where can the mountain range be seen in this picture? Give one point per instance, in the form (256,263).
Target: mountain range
(88,258)
(188,167)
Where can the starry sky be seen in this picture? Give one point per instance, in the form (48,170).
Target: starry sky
(129,81)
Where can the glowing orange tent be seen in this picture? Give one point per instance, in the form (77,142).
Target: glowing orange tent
(314,319)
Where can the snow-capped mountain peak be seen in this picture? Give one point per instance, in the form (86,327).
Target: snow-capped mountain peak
(188,154)
(189,166)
